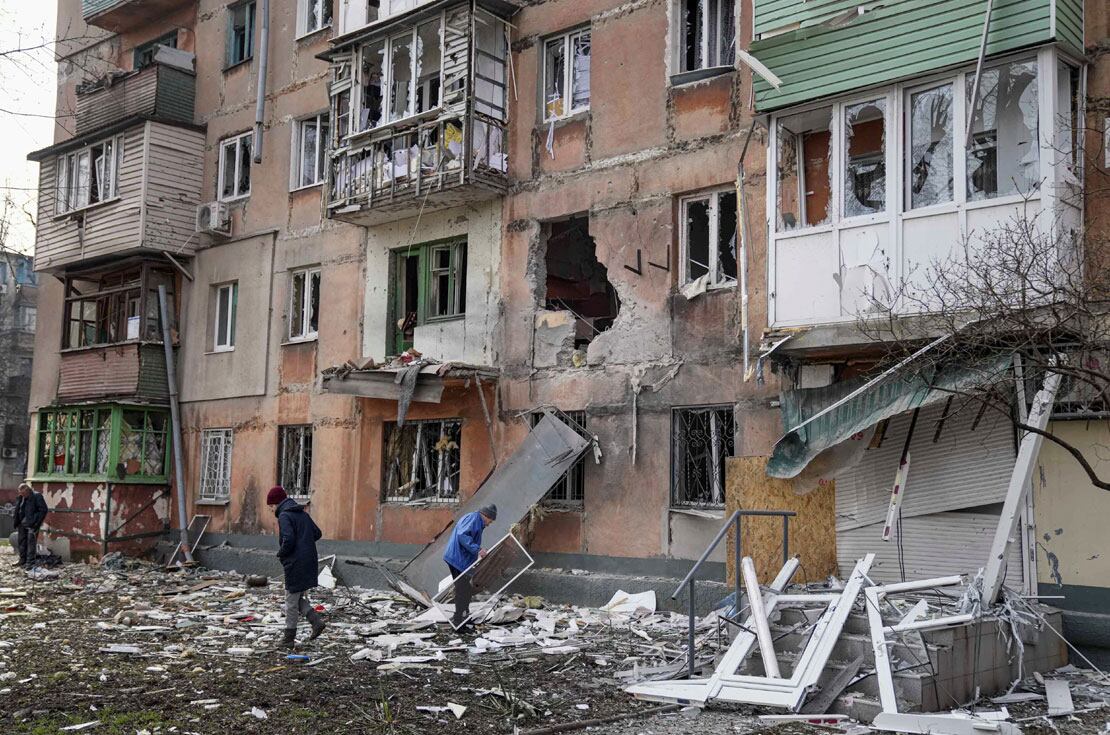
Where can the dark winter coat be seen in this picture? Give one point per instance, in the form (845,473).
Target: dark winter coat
(297,535)
(31,511)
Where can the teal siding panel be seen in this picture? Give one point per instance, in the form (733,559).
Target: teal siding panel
(773,14)
(1069,24)
(92,7)
(900,40)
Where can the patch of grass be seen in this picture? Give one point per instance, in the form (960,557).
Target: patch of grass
(112,723)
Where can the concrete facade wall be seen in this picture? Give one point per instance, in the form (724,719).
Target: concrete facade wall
(16,349)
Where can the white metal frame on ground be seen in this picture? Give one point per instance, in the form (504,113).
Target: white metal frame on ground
(726,685)
(890,718)
(492,599)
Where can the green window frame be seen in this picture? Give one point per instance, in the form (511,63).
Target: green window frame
(92,443)
(428,284)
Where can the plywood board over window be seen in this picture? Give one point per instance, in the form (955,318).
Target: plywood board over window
(812,531)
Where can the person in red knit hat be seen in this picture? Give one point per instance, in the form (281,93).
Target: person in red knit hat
(297,537)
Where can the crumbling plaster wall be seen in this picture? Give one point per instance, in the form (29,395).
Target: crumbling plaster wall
(470,338)
(643,143)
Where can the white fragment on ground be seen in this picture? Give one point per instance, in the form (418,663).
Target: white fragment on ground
(259,713)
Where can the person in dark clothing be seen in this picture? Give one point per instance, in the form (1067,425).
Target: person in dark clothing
(297,537)
(463,549)
(30,512)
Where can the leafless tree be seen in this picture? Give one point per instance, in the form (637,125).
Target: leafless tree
(1031,288)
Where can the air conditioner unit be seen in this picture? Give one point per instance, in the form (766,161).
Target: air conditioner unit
(214,218)
(9,453)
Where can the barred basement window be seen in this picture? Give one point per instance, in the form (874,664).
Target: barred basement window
(702,438)
(215,465)
(422,461)
(570,489)
(295,460)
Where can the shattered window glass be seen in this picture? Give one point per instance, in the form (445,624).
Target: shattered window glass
(427,66)
(865,162)
(710,238)
(295,460)
(423,461)
(400,84)
(1003,156)
(1067,116)
(580,74)
(703,438)
(373,62)
(697,238)
(707,34)
(726,237)
(304,304)
(570,489)
(554,89)
(930,165)
(804,169)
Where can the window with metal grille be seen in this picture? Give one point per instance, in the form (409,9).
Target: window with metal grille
(701,439)
(570,489)
(422,461)
(295,460)
(215,464)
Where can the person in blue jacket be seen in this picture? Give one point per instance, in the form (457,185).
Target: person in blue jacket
(463,549)
(297,537)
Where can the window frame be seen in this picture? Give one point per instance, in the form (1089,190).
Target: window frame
(435,499)
(304,436)
(118,290)
(674,503)
(72,432)
(714,197)
(322,122)
(305,307)
(567,39)
(149,46)
(224,438)
(424,253)
(572,484)
(250,26)
(679,75)
(237,141)
(225,320)
(67,197)
(304,12)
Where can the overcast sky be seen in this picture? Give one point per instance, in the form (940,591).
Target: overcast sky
(27,82)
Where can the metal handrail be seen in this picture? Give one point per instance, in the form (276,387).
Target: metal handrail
(690,579)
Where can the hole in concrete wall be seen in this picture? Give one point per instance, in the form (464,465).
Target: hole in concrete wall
(576,281)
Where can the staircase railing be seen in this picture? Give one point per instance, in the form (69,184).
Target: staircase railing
(691,577)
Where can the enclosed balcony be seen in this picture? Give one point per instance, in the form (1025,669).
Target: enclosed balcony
(130,181)
(419,110)
(120,16)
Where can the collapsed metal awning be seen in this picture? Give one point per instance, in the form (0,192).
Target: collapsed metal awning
(549,450)
(824,417)
(387,382)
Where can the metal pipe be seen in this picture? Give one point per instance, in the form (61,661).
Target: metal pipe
(785,538)
(736,554)
(107,521)
(175,419)
(263,60)
(690,633)
(978,72)
(705,555)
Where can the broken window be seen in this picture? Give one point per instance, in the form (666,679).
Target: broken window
(315,15)
(428,59)
(240,33)
(142,442)
(400,76)
(106,307)
(709,238)
(570,489)
(74,442)
(422,460)
(295,459)
(413,65)
(865,160)
(215,465)
(447,280)
(702,438)
(804,169)
(929,177)
(88,175)
(566,86)
(707,34)
(144,53)
(490,81)
(304,304)
(227,298)
(371,76)
(576,281)
(310,151)
(1068,122)
(235,167)
(1003,155)
(429,284)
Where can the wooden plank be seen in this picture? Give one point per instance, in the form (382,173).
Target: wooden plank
(812,531)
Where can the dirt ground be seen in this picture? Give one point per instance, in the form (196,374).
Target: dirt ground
(198,656)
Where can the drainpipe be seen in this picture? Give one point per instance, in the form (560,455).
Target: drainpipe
(263,60)
(175,418)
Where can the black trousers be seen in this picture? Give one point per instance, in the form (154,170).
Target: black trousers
(27,543)
(462,595)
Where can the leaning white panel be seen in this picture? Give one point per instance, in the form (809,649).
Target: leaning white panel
(954,724)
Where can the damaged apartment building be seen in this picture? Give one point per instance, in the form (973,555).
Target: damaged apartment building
(392,237)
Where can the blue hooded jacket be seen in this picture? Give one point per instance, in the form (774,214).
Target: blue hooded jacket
(465,542)
(297,536)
